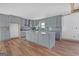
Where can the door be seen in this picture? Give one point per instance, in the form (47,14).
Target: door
(14,30)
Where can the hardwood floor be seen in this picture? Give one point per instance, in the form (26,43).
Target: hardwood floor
(20,47)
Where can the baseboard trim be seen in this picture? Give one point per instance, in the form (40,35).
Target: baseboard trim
(71,40)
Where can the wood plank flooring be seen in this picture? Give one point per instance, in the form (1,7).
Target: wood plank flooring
(20,47)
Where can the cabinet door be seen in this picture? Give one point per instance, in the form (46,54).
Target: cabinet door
(28,36)
(57,35)
(3,20)
(32,36)
(52,39)
(58,22)
(4,33)
(35,37)
(44,40)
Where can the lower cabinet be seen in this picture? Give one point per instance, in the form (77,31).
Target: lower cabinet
(52,39)
(57,35)
(4,35)
(46,40)
(32,36)
(35,37)
(28,35)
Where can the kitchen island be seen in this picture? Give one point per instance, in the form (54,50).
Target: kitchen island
(46,39)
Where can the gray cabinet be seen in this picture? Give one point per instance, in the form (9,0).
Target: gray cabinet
(4,29)
(28,35)
(58,22)
(3,20)
(52,39)
(32,36)
(51,22)
(35,23)
(46,40)
(35,37)
(14,19)
(55,23)
(4,33)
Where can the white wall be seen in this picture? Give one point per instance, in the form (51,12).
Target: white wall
(35,11)
(70,26)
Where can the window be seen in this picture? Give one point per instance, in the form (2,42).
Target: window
(43,25)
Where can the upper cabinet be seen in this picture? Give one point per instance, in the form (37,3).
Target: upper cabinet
(14,19)
(29,23)
(3,20)
(52,23)
(6,19)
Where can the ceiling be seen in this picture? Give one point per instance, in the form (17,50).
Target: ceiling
(34,10)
